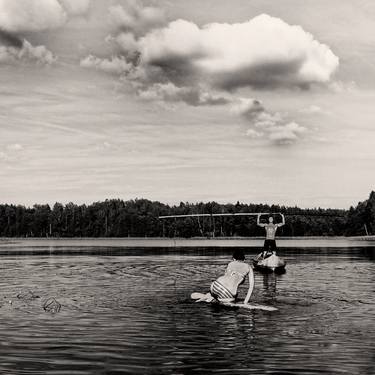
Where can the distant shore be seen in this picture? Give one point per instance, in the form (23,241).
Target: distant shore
(20,246)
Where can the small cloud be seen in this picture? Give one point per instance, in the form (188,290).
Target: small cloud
(39,55)
(267,120)
(286,134)
(115,65)
(340,87)
(169,92)
(254,134)
(283,137)
(11,153)
(247,107)
(266,125)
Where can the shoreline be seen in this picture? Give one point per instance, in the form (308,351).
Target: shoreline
(52,246)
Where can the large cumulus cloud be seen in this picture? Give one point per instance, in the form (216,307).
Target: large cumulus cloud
(264,51)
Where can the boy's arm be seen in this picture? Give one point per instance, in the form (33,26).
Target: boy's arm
(251,286)
(259,223)
(282,221)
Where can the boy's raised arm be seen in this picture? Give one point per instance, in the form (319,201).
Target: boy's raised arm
(258,221)
(282,220)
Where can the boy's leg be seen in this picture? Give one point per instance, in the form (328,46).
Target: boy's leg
(273,245)
(265,246)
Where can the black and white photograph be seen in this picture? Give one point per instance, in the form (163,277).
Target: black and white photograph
(187,187)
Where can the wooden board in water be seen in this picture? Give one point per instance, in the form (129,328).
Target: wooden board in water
(200,297)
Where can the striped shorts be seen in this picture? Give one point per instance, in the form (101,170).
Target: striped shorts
(219,291)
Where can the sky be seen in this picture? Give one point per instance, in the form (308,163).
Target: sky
(256,101)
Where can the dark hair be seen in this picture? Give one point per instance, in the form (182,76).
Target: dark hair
(238,254)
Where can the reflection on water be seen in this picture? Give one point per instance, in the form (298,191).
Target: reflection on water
(132,314)
(270,285)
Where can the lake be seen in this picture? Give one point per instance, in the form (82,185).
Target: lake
(131,314)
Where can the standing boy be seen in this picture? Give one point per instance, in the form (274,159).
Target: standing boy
(270,227)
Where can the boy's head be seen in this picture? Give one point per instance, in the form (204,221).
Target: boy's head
(238,254)
(270,219)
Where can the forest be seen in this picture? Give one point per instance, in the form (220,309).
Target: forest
(140,218)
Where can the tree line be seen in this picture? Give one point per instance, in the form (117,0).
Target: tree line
(139,218)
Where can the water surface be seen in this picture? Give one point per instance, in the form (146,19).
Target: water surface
(132,314)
